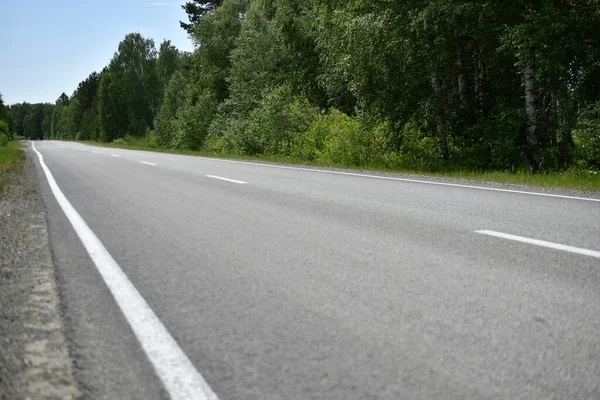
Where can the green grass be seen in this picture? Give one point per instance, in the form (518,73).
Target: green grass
(587,181)
(11,162)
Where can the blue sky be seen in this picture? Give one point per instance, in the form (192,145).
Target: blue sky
(48,46)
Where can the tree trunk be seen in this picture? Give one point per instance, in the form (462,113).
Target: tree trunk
(442,143)
(532,158)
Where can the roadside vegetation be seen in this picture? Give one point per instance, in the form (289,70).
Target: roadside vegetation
(11,162)
(11,155)
(480,90)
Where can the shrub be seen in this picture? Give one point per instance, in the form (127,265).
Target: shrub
(338,138)
(278,123)
(226,133)
(417,150)
(192,121)
(3,140)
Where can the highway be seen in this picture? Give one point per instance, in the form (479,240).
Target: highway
(275,282)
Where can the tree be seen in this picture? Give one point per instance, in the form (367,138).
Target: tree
(166,64)
(551,43)
(130,97)
(3,110)
(63,98)
(166,121)
(259,61)
(55,128)
(215,38)
(112,113)
(196,11)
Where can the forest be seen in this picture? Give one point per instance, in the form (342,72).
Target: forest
(484,85)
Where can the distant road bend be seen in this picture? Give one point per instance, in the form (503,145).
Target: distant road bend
(196,278)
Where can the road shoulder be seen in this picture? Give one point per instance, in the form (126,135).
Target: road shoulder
(34,355)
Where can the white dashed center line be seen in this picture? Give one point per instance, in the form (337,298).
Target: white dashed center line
(543,243)
(226,179)
(148,163)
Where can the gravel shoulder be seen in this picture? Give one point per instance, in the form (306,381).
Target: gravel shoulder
(34,356)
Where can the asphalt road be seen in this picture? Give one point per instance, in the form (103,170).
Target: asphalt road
(283,283)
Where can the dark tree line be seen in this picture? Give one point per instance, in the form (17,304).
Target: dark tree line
(415,84)
(30,121)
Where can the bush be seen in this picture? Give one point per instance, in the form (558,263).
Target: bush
(417,150)
(192,121)
(226,133)
(338,138)
(3,140)
(149,141)
(278,123)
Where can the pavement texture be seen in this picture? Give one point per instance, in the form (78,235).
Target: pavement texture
(34,358)
(300,284)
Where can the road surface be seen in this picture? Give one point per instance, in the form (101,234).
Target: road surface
(285,283)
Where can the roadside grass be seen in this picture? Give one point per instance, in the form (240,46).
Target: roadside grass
(11,162)
(572,179)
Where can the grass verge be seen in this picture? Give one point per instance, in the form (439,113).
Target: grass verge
(586,181)
(11,162)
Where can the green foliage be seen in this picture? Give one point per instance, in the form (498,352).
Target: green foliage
(167,63)
(29,120)
(428,85)
(166,120)
(148,141)
(341,139)
(277,124)
(112,117)
(257,60)
(193,120)
(587,139)
(495,142)
(4,133)
(215,36)
(11,161)
(197,11)
(3,110)
(417,151)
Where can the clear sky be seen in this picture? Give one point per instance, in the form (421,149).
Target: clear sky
(48,46)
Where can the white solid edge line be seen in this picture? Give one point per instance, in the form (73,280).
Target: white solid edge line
(146,162)
(226,179)
(174,368)
(543,243)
